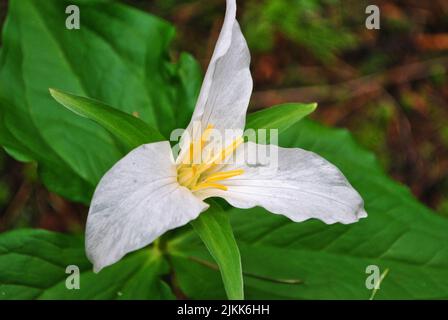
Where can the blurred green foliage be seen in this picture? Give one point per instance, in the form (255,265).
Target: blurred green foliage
(314,24)
(4,187)
(317,25)
(372,135)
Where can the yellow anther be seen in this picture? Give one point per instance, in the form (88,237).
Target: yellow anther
(229,149)
(195,148)
(198,176)
(209,185)
(186,176)
(221,156)
(223,175)
(206,133)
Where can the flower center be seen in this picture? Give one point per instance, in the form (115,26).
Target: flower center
(203,175)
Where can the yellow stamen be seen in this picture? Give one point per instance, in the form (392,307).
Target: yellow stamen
(206,134)
(195,148)
(198,176)
(209,185)
(223,175)
(221,156)
(229,149)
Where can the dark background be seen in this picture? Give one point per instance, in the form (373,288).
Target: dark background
(388,86)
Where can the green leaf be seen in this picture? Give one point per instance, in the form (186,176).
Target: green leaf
(132,131)
(33,266)
(329,261)
(214,229)
(279,117)
(118,56)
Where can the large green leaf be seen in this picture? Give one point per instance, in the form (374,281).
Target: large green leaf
(33,265)
(119,56)
(130,130)
(312,260)
(214,229)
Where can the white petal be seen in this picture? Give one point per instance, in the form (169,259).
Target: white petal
(227,85)
(303,185)
(135,202)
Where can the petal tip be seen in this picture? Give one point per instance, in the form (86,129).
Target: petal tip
(362,213)
(96,268)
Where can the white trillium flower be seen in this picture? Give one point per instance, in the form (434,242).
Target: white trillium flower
(147,193)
